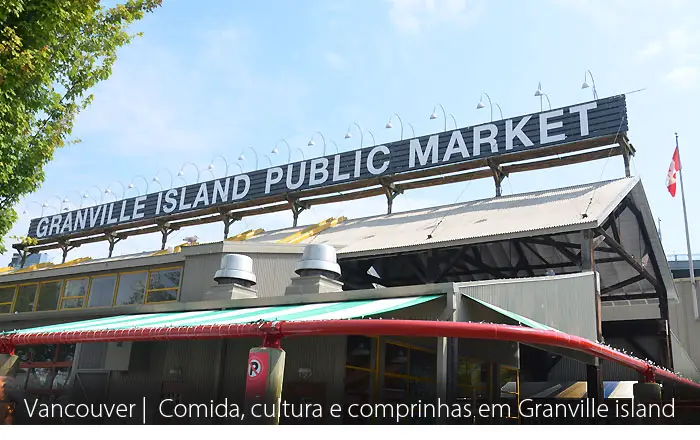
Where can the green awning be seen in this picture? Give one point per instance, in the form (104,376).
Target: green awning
(301,312)
(514,316)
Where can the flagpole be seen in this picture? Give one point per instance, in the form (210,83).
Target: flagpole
(687,236)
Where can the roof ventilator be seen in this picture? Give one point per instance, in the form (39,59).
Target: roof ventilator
(318,271)
(235,279)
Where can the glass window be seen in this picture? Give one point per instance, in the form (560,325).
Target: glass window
(5,308)
(48,296)
(7,294)
(132,288)
(77,287)
(72,303)
(396,359)
(423,364)
(164,279)
(162,295)
(359,352)
(26,295)
(102,291)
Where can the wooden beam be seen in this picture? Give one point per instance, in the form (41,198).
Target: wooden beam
(629,258)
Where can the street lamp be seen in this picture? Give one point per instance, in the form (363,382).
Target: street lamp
(539,93)
(585,84)
(86,195)
(302,153)
(390,125)
(413,130)
(255,154)
(433,115)
(60,200)
(211,165)
(25,211)
(157,180)
(337,150)
(109,190)
(181,173)
(289,149)
(453,119)
(362,136)
(268,159)
(480,105)
(133,186)
(312,143)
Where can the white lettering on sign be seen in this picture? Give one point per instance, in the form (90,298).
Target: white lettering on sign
(539,130)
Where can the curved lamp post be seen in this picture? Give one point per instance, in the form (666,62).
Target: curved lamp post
(289,149)
(302,153)
(413,130)
(433,115)
(109,189)
(157,180)
(453,119)
(585,84)
(86,194)
(255,154)
(132,186)
(211,165)
(539,93)
(268,159)
(390,125)
(337,150)
(312,143)
(60,200)
(80,197)
(25,211)
(480,105)
(181,173)
(374,141)
(348,135)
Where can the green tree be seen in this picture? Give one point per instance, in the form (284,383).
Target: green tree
(52,52)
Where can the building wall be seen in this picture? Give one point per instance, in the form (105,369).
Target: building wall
(683,323)
(274,273)
(564,302)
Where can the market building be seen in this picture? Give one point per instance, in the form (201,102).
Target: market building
(564,293)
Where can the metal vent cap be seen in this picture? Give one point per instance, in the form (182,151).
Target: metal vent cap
(235,267)
(318,257)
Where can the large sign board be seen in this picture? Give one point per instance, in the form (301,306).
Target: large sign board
(589,120)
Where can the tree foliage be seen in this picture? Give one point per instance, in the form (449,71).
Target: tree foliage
(52,52)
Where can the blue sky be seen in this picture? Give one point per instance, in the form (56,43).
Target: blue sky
(215,77)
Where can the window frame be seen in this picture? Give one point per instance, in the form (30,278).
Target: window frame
(119,279)
(408,347)
(89,293)
(84,297)
(12,301)
(149,290)
(60,293)
(36,294)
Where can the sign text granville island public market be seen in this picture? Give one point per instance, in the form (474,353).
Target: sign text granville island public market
(540,130)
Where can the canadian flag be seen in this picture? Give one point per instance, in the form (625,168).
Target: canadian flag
(672,171)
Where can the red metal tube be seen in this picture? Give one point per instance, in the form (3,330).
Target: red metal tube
(275,330)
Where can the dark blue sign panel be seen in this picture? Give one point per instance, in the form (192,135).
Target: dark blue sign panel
(542,130)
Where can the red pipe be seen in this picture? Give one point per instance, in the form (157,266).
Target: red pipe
(275,330)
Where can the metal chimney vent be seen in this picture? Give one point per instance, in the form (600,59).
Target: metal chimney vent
(319,259)
(236,269)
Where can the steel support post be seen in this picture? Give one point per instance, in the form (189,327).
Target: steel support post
(113,239)
(165,231)
(297,208)
(391,192)
(498,176)
(65,248)
(229,218)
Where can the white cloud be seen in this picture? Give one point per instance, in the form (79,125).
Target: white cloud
(416,15)
(651,50)
(334,60)
(685,77)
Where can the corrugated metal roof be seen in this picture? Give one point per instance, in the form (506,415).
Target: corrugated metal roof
(498,218)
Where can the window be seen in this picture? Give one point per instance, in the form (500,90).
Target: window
(131,288)
(49,293)
(163,285)
(102,291)
(360,369)
(74,293)
(7,295)
(45,369)
(472,379)
(26,296)
(410,373)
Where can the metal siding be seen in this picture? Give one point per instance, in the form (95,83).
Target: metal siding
(565,302)
(609,118)
(274,273)
(683,322)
